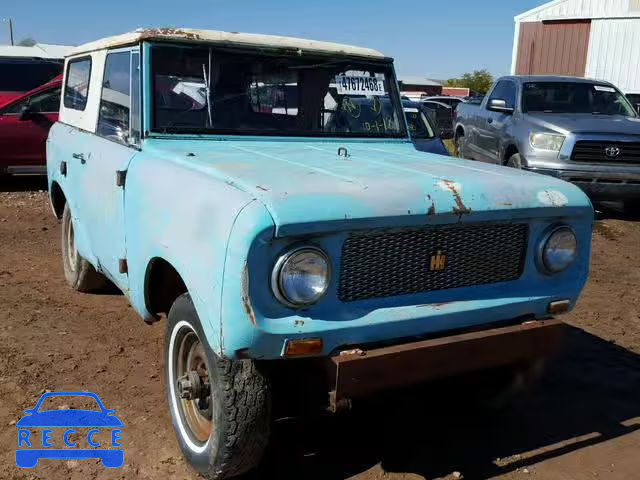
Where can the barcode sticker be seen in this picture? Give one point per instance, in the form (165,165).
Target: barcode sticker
(348,85)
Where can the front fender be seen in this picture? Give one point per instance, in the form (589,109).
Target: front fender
(185,217)
(254,224)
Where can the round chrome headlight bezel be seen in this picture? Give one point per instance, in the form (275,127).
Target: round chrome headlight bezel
(544,261)
(277,276)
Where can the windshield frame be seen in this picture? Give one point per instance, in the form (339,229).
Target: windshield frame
(385,64)
(567,82)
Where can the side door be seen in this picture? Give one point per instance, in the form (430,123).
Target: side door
(23,138)
(484,128)
(498,121)
(115,143)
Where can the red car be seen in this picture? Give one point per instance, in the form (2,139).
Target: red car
(24,127)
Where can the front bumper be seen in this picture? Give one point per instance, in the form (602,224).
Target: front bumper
(600,185)
(357,373)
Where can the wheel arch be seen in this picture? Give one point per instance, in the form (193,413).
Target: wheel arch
(57,199)
(163,284)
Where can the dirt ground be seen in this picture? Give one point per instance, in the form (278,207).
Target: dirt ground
(581,423)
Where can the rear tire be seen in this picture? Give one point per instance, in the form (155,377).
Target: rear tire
(224,432)
(515,161)
(78,272)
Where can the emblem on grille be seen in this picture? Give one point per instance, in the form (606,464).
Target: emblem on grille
(612,151)
(438,262)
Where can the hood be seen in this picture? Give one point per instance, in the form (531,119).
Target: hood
(586,123)
(308,183)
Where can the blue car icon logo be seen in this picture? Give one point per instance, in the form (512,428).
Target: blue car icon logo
(32,447)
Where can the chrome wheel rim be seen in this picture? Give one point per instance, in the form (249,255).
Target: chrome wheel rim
(196,414)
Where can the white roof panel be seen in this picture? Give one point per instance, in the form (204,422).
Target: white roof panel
(224,38)
(418,80)
(39,50)
(581,9)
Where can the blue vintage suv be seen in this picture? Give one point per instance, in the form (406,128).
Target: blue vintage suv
(212,177)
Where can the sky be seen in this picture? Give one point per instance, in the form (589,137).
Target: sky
(440,40)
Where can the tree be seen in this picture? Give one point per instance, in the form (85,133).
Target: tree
(27,42)
(479,81)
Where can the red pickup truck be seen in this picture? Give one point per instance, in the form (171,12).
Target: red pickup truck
(24,127)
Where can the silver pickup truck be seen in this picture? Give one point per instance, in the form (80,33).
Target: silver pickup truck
(583,131)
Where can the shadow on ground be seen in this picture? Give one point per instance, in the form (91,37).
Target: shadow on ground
(588,392)
(22,183)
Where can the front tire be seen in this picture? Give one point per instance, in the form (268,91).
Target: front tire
(78,272)
(220,408)
(515,161)
(459,145)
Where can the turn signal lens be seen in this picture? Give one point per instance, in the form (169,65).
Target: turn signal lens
(304,347)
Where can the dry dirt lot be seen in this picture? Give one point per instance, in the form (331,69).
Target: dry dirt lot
(581,423)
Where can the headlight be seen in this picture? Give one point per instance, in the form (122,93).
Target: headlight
(301,276)
(558,249)
(546,141)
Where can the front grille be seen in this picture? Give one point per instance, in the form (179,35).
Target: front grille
(596,152)
(387,263)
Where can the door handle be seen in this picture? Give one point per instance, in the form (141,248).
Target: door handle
(80,156)
(490,120)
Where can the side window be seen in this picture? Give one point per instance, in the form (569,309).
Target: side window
(505,90)
(115,101)
(43,102)
(510,94)
(77,86)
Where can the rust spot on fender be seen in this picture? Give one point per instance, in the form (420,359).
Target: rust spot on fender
(246,302)
(460,208)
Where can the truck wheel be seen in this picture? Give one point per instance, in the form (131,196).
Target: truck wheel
(459,144)
(220,408)
(515,161)
(79,274)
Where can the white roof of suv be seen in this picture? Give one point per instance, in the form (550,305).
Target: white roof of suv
(223,38)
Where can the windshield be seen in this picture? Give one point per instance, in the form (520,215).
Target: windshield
(223,91)
(419,126)
(573,97)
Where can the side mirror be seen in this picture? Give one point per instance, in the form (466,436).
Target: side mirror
(26,113)
(499,105)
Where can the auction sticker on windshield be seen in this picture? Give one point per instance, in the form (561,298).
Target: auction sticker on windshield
(360,85)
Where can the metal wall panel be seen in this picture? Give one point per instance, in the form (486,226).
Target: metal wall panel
(614,53)
(558,48)
(572,9)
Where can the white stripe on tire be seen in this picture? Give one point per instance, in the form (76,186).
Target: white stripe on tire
(174,405)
